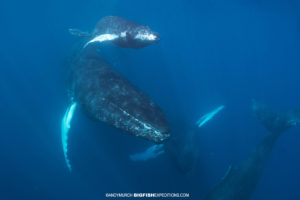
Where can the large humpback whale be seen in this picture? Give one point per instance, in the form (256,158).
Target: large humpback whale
(105,95)
(241,180)
(121,32)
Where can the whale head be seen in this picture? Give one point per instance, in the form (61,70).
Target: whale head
(137,37)
(147,123)
(145,35)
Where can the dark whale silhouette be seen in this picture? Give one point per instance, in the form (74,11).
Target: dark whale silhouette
(105,95)
(121,32)
(240,181)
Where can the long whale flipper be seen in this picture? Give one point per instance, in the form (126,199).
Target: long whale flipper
(102,38)
(205,118)
(65,128)
(240,181)
(150,153)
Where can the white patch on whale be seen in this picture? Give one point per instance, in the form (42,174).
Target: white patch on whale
(102,38)
(123,34)
(145,36)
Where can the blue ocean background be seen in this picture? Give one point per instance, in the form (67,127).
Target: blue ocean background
(211,53)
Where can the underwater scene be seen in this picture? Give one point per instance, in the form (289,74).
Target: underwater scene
(150,99)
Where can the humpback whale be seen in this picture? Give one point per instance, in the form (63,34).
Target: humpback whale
(105,95)
(241,180)
(121,32)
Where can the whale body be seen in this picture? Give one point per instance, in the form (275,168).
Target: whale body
(105,95)
(121,32)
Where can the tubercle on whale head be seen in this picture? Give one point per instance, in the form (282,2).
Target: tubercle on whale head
(155,135)
(162,136)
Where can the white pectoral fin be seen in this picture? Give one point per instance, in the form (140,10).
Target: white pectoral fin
(65,128)
(208,116)
(202,121)
(102,38)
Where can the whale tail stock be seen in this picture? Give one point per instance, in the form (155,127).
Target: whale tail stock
(79,33)
(274,122)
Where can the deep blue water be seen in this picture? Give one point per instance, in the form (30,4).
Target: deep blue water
(211,53)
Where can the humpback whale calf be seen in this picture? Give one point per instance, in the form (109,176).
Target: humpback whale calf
(240,181)
(121,32)
(105,95)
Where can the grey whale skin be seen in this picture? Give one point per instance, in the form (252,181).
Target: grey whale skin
(105,95)
(129,34)
(240,181)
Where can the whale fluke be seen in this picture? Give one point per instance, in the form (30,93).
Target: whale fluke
(65,128)
(273,121)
